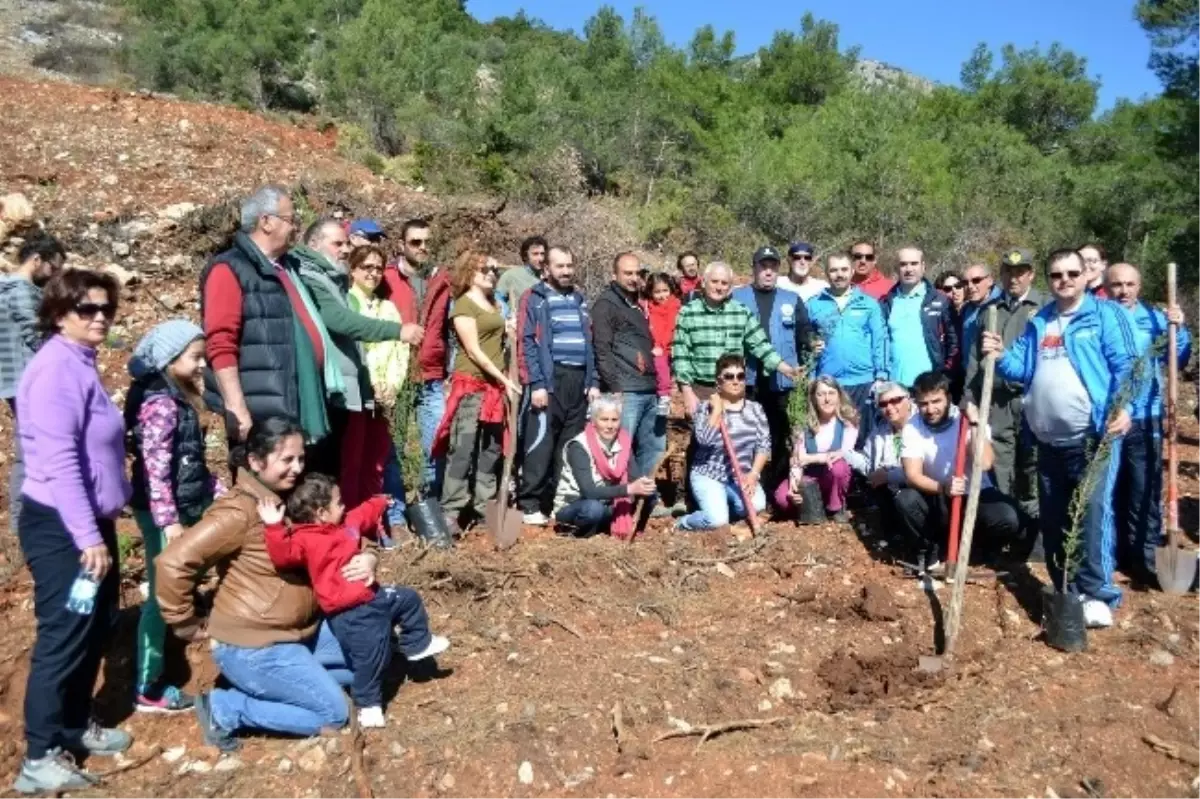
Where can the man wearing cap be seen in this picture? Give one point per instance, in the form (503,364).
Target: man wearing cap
(867,277)
(520,279)
(783,315)
(1015,464)
(799,280)
(1139,479)
(365,231)
(919,321)
(712,325)
(850,337)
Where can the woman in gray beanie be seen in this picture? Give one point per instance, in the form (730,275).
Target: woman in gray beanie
(172,486)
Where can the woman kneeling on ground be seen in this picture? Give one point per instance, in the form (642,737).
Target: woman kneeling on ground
(74,444)
(284,665)
(596,487)
(713,479)
(820,448)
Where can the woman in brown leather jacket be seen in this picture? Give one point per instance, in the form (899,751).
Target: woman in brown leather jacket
(268,639)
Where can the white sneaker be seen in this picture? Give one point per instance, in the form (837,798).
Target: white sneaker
(537,519)
(664,406)
(437,645)
(371,717)
(1097,614)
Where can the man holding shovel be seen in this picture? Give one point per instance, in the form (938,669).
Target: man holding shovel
(1138,499)
(1072,360)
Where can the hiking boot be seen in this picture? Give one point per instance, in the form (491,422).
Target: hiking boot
(1097,614)
(436,646)
(105,741)
(371,718)
(213,734)
(536,519)
(53,773)
(168,700)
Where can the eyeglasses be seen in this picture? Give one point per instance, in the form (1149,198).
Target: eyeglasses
(975,281)
(88,310)
(890,402)
(863,256)
(1070,274)
(417,242)
(733,376)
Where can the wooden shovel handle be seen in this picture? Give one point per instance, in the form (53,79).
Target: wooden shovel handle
(1171,422)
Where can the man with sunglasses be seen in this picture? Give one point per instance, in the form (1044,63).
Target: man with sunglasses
(879,459)
(867,277)
(919,321)
(558,369)
(981,289)
(799,279)
(1015,466)
(1072,360)
(1137,503)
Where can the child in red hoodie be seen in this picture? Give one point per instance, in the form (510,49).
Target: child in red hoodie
(661,310)
(322,539)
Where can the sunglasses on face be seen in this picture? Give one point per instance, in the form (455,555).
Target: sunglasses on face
(370,269)
(417,242)
(975,281)
(490,268)
(88,310)
(863,256)
(890,402)
(730,377)
(951,286)
(801,256)
(1070,274)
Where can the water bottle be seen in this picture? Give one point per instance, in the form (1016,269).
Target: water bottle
(82,598)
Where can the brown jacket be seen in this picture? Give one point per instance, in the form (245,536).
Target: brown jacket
(255,604)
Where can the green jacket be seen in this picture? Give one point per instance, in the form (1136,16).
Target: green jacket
(329,285)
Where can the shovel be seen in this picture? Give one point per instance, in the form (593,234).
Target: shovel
(747,500)
(956,503)
(1176,567)
(504,522)
(641,501)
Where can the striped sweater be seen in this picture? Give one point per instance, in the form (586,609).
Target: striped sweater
(748,430)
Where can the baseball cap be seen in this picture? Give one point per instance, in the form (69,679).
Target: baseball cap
(767,253)
(1018,256)
(798,247)
(366,227)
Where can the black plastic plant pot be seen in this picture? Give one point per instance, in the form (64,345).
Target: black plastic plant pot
(428,521)
(1062,620)
(812,508)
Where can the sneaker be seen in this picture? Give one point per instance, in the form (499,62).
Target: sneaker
(537,519)
(104,741)
(371,717)
(213,734)
(437,645)
(664,406)
(171,700)
(1097,614)
(54,772)
(841,516)
(386,542)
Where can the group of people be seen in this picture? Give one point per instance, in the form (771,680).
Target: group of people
(309,351)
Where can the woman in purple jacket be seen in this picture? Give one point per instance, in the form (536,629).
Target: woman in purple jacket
(75,486)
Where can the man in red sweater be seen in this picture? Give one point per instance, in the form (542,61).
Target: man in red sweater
(421,292)
(867,278)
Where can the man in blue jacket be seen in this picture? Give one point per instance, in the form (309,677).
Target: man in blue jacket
(920,324)
(1072,359)
(1139,480)
(849,337)
(558,371)
(783,315)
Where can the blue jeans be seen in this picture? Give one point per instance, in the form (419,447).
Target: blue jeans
(393,486)
(587,516)
(1060,471)
(640,419)
(717,503)
(293,688)
(431,406)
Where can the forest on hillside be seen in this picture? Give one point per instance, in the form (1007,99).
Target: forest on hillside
(708,149)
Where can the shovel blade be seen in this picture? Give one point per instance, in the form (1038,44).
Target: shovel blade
(504,524)
(1176,569)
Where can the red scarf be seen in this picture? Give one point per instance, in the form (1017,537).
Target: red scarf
(662,322)
(614,474)
(491,410)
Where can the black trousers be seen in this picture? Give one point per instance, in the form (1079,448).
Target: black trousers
(775,405)
(365,633)
(68,648)
(545,432)
(926,519)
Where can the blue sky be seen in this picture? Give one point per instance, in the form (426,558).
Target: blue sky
(931,38)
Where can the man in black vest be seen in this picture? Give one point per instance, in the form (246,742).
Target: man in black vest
(266,348)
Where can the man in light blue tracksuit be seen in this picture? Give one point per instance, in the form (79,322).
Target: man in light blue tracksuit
(1072,360)
(1138,501)
(782,314)
(849,338)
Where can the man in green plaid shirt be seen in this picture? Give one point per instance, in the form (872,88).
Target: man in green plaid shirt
(712,325)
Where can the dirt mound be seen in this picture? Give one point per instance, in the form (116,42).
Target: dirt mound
(877,604)
(856,680)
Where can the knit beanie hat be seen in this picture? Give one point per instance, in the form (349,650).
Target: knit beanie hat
(164,343)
